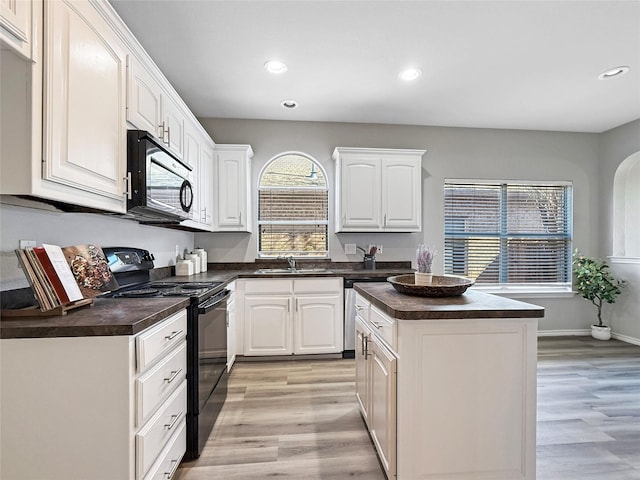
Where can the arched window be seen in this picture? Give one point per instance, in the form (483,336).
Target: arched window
(293,208)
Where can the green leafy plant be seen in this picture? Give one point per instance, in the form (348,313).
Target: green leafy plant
(595,282)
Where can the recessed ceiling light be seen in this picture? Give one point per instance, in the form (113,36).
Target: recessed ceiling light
(410,74)
(275,66)
(289,104)
(614,72)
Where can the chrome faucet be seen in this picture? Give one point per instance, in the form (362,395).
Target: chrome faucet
(292,262)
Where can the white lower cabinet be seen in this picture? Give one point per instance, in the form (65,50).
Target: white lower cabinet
(77,408)
(376,389)
(467,390)
(285,317)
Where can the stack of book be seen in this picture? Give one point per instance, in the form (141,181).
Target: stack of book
(62,277)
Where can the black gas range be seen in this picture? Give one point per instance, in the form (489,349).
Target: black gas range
(206,335)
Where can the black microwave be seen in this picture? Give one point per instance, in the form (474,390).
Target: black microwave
(159,189)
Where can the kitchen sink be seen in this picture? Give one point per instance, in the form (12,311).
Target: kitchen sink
(292,270)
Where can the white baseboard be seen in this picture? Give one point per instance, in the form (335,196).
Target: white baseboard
(585,332)
(563,333)
(625,338)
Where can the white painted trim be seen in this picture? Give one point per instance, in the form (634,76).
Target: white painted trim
(563,333)
(630,260)
(625,338)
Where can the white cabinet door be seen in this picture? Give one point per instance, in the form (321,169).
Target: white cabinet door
(401,182)
(15,23)
(382,423)
(206,186)
(231,331)
(192,158)
(378,189)
(172,127)
(233,213)
(143,97)
(318,324)
(84,99)
(360,194)
(267,325)
(363,384)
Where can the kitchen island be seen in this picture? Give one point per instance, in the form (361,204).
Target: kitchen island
(447,386)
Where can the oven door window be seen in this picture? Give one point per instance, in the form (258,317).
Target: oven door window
(212,350)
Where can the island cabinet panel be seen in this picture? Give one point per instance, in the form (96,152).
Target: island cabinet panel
(447,387)
(468,395)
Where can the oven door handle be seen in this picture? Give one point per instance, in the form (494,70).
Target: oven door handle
(209,305)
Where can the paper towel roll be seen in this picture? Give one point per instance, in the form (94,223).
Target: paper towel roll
(195,258)
(203,258)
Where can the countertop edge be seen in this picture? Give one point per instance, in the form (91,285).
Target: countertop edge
(470,305)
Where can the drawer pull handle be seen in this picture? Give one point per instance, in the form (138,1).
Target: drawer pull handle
(359,308)
(377,325)
(169,475)
(173,334)
(173,422)
(174,374)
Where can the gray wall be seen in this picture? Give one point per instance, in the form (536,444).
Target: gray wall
(615,147)
(451,153)
(588,160)
(57,228)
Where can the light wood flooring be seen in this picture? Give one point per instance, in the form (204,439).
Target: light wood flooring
(299,419)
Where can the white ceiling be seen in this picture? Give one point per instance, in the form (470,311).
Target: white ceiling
(489,64)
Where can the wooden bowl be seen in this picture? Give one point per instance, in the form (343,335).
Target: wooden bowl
(441,285)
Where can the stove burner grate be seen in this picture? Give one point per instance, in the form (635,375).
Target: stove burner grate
(142,292)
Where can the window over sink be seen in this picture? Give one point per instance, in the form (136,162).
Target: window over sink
(293,208)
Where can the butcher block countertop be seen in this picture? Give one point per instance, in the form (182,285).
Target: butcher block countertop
(107,316)
(472,304)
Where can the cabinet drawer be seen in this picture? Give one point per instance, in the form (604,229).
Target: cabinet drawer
(384,326)
(268,286)
(317,285)
(154,342)
(167,464)
(154,386)
(362,307)
(154,436)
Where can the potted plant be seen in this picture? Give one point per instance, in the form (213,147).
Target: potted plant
(596,283)
(424,259)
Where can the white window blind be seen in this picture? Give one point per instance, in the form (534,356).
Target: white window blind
(293,208)
(508,233)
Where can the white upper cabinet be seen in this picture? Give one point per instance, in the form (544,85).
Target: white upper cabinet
(84,103)
(198,154)
(378,190)
(16,24)
(233,191)
(143,98)
(172,126)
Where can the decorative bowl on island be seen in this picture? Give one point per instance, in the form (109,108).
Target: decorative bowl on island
(440,286)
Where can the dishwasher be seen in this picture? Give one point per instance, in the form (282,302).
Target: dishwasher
(349,350)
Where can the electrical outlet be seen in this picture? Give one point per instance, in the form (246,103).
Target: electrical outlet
(379,249)
(27,244)
(349,248)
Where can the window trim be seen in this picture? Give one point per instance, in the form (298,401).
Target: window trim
(540,290)
(326,189)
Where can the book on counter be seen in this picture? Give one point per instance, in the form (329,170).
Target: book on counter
(60,276)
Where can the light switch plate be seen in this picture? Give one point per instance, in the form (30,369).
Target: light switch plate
(350,248)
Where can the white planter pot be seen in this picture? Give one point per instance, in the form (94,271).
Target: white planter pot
(600,333)
(423,278)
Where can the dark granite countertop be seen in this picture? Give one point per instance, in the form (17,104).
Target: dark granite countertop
(107,316)
(472,304)
(129,316)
